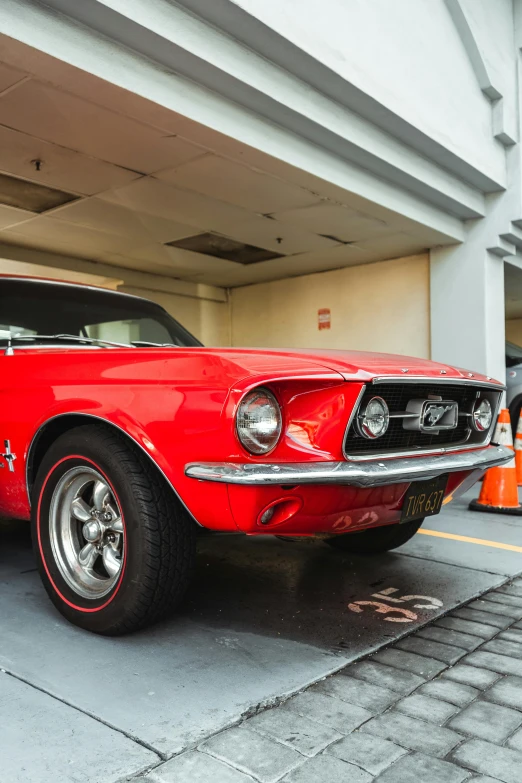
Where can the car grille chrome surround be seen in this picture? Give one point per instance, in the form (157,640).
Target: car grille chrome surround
(401,439)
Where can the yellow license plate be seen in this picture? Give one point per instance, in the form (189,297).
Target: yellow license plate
(424,498)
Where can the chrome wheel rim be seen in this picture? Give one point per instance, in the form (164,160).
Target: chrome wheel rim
(87,533)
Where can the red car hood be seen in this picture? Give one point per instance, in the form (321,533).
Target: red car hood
(263,364)
(351,365)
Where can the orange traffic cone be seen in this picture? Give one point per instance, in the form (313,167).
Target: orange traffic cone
(518,450)
(499,493)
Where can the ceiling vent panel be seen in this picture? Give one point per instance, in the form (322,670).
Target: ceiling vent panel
(31,196)
(220,246)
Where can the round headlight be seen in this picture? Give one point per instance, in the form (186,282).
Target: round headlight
(259,421)
(373,420)
(482,415)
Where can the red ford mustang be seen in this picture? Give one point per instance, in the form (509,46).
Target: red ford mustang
(122,436)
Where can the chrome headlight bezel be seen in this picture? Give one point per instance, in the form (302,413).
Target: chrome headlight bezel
(265,438)
(363,422)
(478,424)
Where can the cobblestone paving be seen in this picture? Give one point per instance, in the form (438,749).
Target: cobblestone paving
(443,705)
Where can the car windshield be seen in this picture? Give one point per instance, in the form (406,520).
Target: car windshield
(30,308)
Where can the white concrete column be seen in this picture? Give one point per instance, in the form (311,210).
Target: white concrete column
(467,305)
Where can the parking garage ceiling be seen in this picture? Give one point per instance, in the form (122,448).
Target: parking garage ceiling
(78,179)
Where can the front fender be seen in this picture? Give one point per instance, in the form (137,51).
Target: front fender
(66,417)
(173,420)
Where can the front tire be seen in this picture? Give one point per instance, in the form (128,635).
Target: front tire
(114,547)
(375,540)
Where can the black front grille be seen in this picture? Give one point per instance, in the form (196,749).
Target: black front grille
(397,439)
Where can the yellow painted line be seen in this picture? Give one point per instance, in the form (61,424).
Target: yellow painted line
(469,540)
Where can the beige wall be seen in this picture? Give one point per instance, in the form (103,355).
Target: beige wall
(9,267)
(514,331)
(377,307)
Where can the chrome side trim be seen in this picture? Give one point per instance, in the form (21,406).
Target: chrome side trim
(369,474)
(110,424)
(9,457)
(426,378)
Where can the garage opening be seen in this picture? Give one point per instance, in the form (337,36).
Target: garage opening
(240,247)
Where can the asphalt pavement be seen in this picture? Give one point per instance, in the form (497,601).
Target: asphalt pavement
(265,619)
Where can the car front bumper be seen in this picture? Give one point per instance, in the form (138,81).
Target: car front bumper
(374,473)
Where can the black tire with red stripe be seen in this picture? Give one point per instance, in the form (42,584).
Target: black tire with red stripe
(159,536)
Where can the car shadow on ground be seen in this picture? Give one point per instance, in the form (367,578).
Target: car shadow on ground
(295,590)
(300,591)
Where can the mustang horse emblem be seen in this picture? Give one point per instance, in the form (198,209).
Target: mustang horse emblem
(435,413)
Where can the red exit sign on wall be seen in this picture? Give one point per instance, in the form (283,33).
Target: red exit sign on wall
(324,318)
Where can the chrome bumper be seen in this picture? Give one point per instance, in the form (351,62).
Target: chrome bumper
(357,474)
